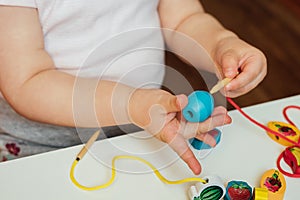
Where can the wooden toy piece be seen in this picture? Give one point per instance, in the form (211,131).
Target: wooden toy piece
(238,190)
(200,106)
(260,194)
(287,130)
(291,156)
(212,190)
(274,182)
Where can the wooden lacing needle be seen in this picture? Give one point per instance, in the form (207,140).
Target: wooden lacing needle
(87,145)
(220,85)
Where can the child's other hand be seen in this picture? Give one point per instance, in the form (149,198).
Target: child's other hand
(159,113)
(238,59)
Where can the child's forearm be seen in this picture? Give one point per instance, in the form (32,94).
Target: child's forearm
(192,21)
(62,99)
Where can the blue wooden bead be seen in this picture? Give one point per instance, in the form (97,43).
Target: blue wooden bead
(199,145)
(200,106)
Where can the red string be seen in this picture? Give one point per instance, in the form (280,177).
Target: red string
(286,116)
(282,171)
(263,126)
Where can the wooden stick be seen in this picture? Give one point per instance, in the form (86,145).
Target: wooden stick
(220,85)
(86,147)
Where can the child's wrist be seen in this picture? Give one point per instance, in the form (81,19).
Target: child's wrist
(221,43)
(135,107)
(139,105)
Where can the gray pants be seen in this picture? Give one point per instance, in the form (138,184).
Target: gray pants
(21,137)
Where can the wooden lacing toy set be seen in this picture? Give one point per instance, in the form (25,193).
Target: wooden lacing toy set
(199,108)
(286,134)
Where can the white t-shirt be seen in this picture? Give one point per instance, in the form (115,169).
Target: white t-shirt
(117,40)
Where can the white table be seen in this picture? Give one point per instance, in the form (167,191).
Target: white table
(244,153)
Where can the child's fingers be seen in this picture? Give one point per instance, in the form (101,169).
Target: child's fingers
(240,85)
(219,117)
(219,110)
(179,145)
(173,103)
(206,138)
(253,71)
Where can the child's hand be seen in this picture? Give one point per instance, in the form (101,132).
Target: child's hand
(238,59)
(159,113)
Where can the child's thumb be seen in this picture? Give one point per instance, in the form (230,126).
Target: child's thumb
(230,64)
(175,103)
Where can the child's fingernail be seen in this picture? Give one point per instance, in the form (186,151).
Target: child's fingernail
(228,86)
(230,73)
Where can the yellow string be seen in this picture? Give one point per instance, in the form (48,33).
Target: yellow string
(113,174)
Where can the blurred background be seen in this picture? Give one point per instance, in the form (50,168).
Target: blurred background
(273,26)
